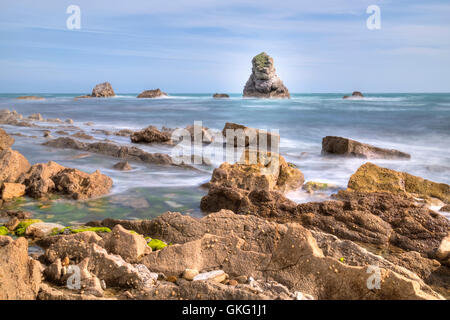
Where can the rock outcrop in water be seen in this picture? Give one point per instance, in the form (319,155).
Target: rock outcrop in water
(103,90)
(30,98)
(156,93)
(263,82)
(150,135)
(220,95)
(351,148)
(355,95)
(6,141)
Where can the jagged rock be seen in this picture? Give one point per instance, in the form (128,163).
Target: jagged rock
(352,148)
(20,276)
(30,98)
(220,95)
(150,135)
(113,150)
(157,93)
(285,253)
(243,136)
(5,140)
(258,171)
(9,117)
(130,246)
(263,82)
(372,178)
(122,166)
(103,90)
(43,179)
(10,191)
(12,165)
(12,224)
(355,95)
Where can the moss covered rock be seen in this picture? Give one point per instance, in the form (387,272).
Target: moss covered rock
(372,178)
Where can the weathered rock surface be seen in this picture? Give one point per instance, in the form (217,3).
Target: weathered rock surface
(156,93)
(243,136)
(285,253)
(150,135)
(130,246)
(5,140)
(43,179)
(258,171)
(355,95)
(113,150)
(103,90)
(41,229)
(82,135)
(263,82)
(372,178)
(445,208)
(20,276)
(12,165)
(220,95)
(352,148)
(10,191)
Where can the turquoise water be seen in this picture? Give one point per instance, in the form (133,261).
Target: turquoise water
(415,123)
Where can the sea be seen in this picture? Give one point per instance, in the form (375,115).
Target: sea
(416,123)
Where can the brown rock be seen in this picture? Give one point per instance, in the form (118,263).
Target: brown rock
(355,95)
(123,166)
(263,82)
(372,178)
(243,136)
(82,135)
(103,90)
(220,95)
(5,140)
(445,208)
(157,93)
(130,246)
(30,98)
(12,190)
(352,148)
(12,165)
(12,224)
(150,135)
(20,276)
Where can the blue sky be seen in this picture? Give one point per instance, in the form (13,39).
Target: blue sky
(207,46)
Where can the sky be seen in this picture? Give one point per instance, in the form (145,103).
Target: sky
(205,46)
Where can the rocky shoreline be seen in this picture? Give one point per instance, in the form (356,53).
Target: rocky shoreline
(252,243)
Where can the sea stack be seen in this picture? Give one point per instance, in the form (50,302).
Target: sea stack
(263,82)
(355,95)
(103,90)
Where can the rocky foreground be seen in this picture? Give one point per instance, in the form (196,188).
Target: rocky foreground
(376,240)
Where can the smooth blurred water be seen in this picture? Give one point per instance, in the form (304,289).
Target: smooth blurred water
(415,123)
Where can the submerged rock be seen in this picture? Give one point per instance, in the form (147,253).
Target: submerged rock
(30,98)
(122,166)
(263,82)
(372,178)
(156,93)
(20,275)
(348,147)
(103,90)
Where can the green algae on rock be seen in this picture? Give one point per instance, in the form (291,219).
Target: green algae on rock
(156,244)
(23,225)
(80,229)
(4,231)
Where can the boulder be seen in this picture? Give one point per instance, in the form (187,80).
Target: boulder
(10,191)
(263,82)
(5,140)
(355,95)
(42,229)
(157,93)
(150,135)
(220,95)
(44,179)
(352,148)
(103,90)
(129,245)
(250,137)
(372,178)
(20,276)
(122,166)
(12,165)
(258,171)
